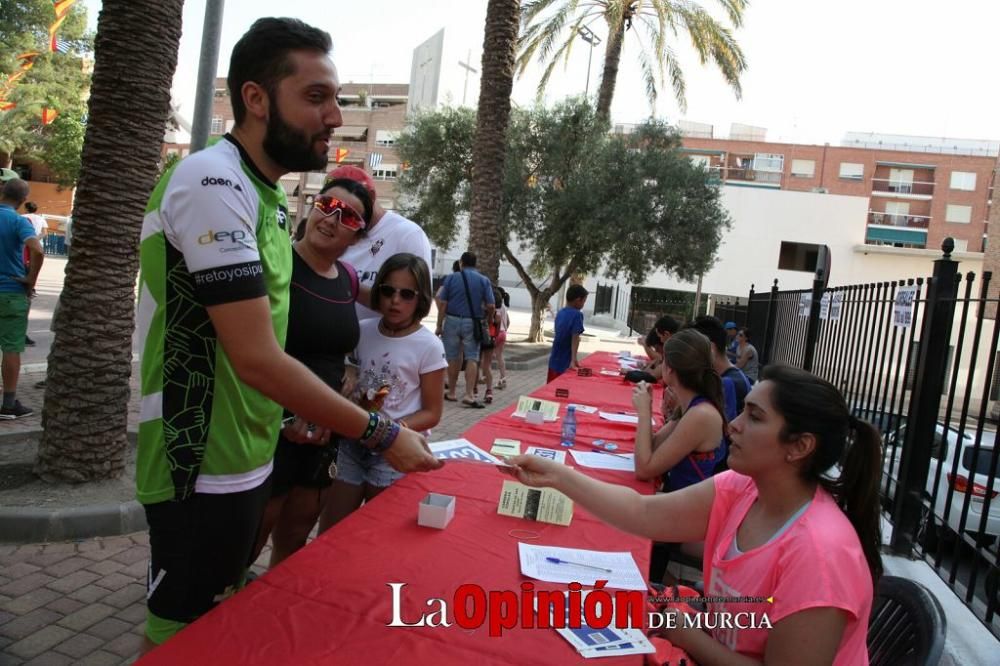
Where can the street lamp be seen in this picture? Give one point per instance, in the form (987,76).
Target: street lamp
(591,38)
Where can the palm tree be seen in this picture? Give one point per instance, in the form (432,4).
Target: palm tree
(657,24)
(87,389)
(493,115)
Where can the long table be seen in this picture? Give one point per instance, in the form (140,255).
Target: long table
(331,601)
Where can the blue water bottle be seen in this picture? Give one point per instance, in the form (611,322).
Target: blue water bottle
(569,426)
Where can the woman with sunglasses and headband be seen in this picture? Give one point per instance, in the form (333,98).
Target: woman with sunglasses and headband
(322,331)
(401,369)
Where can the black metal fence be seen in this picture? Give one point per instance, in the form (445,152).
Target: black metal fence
(917,358)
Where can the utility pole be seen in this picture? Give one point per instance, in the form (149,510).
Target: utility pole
(591,38)
(208,66)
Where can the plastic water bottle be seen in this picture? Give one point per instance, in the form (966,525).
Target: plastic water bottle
(569,426)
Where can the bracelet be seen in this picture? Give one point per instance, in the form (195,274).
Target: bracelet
(382,436)
(389,438)
(373,420)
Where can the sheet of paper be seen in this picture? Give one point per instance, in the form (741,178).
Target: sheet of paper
(620,418)
(542,504)
(624,462)
(506,447)
(584,409)
(551,454)
(526,403)
(624,574)
(591,642)
(629,363)
(462,450)
(611,373)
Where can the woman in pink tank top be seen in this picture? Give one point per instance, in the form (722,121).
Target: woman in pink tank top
(791,554)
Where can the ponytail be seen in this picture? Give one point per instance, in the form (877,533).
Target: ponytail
(689,354)
(813,405)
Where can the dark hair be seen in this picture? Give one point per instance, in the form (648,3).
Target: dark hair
(15,190)
(456,267)
(355,188)
(746,333)
(31,207)
(468,260)
(300,229)
(261,56)
(653,339)
(667,324)
(575,291)
(814,405)
(421,275)
(712,329)
(506,297)
(689,355)
(497,296)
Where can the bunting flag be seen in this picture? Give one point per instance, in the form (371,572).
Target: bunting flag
(374,160)
(340,154)
(62,7)
(7,106)
(52,32)
(62,46)
(48,115)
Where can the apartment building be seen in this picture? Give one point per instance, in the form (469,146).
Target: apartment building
(920,190)
(374,115)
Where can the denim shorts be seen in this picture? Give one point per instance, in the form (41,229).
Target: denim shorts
(357,465)
(458,338)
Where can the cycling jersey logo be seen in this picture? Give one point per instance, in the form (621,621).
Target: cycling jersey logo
(208,180)
(282,216)
(234,240)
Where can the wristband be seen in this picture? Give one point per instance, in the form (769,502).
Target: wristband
(388,438)
(373,420)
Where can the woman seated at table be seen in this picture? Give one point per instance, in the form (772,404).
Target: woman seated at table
(776,526)
(691,443)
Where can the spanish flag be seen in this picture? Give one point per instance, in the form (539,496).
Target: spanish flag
(62,7)
(48,115)
(340,155)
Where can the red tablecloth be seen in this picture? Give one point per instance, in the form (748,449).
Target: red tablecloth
(330,602)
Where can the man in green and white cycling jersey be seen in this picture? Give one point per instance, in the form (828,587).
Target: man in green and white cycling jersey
(213,307)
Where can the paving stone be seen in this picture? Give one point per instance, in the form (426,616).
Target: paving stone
(65,605)
(39,641)
(32,600)
(100,658)
(6,617)
(134,613)
(141,538)
(61,547)
(106,552)
(74,581)
(105,567)
(67,566)
(126,645)
(26,584)
(115,581)
(79,646)
(28,624)
(86,616)
(126,596)
(4,580)
(132,555)
(8,549)
(137,570)
(46,559)
(50,658)
(116,542)
(90,593)
(27,550)
(110,628)
(19,570)
(88,546)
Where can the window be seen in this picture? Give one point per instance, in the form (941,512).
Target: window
(386,137)
(961,245)
(798,257)
(769,162)
(896,213)
(221,92)
(901,180)
(701,160)
(804,168)
(216,125)
(958,214)
(852,170)
(963,180)
(385,172)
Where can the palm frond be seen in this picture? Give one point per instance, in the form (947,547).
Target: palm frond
(648,74)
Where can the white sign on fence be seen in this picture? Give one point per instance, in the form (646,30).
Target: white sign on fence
(836,306)
(902,309)
(824,306)
(805,304)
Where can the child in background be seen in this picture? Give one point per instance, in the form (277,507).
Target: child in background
(401,369)
(502,299)
(568,328)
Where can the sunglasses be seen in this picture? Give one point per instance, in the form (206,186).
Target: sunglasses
(387,291)
(349,217)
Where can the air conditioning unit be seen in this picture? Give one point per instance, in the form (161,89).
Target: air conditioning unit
(820,190)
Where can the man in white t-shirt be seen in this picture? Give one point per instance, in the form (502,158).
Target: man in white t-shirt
(389,233)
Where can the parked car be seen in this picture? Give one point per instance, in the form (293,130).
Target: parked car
(966,481)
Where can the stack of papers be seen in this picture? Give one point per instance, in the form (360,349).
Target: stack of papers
(551,454)
(525,404)
(624,462)
(542,504)
(592,642)
(462,450)
(506,447)
(620,418)
(584,409)
(623,575)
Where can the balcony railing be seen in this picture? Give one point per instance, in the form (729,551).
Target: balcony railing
(898,220)
(890,187)
(747,175)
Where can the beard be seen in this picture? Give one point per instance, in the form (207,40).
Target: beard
(289,147)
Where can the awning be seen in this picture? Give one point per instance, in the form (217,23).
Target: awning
(905,165)
(351,130)
(897,235)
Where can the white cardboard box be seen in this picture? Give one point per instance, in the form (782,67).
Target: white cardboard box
(436,510)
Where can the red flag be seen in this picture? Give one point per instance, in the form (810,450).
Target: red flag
(7,106)
(48,115)
(340,155)
(62,7)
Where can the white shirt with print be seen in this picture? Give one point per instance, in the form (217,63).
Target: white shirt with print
(398,364)
(393,234)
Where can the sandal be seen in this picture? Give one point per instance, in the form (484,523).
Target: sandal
(488,397)
(502,384)
(450,398)
(475,404)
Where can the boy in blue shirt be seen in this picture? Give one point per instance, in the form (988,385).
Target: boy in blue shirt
(568,328)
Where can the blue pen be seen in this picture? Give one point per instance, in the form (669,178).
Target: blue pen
(617,455)
(556,560)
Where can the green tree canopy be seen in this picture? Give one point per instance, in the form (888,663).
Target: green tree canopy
(56,81)
(575,199)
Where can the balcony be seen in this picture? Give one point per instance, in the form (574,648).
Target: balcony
(745,176)
(881,219)
(903,189)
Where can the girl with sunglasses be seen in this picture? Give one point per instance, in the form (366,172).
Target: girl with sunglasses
(322,331)
(401,368)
